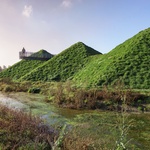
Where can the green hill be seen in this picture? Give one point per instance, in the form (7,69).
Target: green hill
(42,54)
(23,67)
(130,62)
(64,65)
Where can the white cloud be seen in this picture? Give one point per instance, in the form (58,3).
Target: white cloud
(66,3)
(27,11)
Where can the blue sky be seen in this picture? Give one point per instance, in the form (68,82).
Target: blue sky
(54,25)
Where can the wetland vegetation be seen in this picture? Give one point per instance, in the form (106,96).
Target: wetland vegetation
(80,99)
(102,123)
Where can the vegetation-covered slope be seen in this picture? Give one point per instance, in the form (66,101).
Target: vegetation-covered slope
(23,67)
(42,54)
(63,65)
(130,61)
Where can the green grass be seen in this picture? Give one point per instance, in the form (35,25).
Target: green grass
(129,62)
(101,131)
(22,67)
(42,53)
(62,66)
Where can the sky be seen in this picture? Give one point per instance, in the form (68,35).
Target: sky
(54,25)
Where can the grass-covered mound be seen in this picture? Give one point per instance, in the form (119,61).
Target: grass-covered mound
(130,62)
(20,69)
(24,66)
(62,66)
(43,54)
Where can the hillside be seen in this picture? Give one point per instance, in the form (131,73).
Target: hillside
(42,54)
(129,61)
(64,65)
(23,67)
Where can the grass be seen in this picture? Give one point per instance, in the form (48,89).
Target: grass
(42,54)
(8,85)
(62,66)
(69,95)
(94,85)
(23,67)
(20,69)
(94,131)
(22,131)
(103,131)
(141,131)
(128,61)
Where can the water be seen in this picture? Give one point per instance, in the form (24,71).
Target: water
(35,103)
(139,133)
(12,103)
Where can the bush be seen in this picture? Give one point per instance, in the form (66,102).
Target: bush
(23,131)
(34,90)
(68,95)
(8,88)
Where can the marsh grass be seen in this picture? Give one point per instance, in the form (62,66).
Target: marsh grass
(7,85)
(69,95)
(123,125)
(92,132)
(105,131)
(19,130)
(107,98)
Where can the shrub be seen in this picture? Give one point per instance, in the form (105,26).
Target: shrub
(24,131)
(68,95)
(8,88)
(34,90)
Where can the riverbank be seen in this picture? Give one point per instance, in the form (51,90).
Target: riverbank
(96,117)
(19,130)
(69,95)
(92,129)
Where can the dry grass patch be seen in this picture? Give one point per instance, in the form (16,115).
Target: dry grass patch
(20,130)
